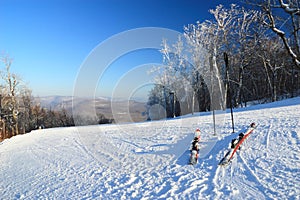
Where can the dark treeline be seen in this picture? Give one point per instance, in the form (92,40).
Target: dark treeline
(241,55)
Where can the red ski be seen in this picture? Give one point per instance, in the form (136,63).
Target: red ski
(229,155)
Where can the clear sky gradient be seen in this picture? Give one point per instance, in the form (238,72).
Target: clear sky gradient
(49,40)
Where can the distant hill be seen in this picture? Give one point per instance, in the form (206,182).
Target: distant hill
(120,110)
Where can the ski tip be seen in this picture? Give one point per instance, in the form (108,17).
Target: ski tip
(253,125)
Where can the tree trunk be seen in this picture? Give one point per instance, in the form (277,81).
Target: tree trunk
(193,102)
(240,87)
(268,79)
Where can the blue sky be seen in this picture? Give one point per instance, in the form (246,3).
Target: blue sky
(49,40)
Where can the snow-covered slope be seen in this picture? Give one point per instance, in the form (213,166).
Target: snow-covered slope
(149,160)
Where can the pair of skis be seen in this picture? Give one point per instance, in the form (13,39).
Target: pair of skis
(229,155)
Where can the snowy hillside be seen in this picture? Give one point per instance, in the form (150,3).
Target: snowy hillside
(149,160)
(86,107)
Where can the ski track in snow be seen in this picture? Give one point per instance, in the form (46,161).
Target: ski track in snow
(268,136)
(149,160)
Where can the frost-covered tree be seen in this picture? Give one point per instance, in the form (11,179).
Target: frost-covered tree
(9,102)
(256,66)
(232,32)
(283,18)
(172,76)
(242,40)
(196,36)
(25,115)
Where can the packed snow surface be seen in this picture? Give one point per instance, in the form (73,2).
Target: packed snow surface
(149,160)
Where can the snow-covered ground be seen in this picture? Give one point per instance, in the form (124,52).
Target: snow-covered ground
(149,160)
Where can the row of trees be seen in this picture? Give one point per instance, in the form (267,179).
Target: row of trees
(20,113)
(241,55)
